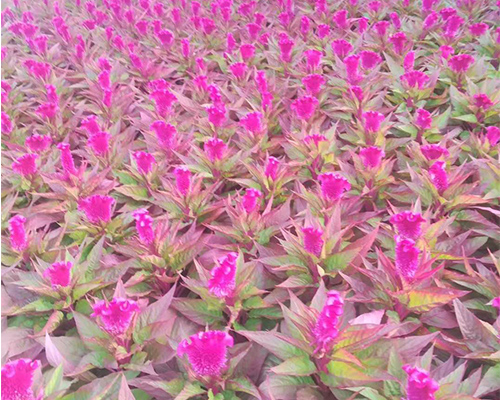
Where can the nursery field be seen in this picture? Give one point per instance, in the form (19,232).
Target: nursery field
(266,199)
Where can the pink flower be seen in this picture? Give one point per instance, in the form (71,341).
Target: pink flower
(144,225)
(414,79)
(341,48)
(165,37)
(372,157)
(90,124)
(352,67)
(208,25)
(362,24)
(222,281)
(408,224)
(272,168)
(6,124)
(430,21)
(313,83)
(481,100)
(116,315)
(215,149)
(358,93)
(17,379)
(493,135)
(446,51)
(47,110)
(305,107)
(372,121)
(183,179)
(305,25)
(381,27)
(165,133)
(433,151)
(145,161)
(250,201)
(369,59)
(313,241)
(216,115)
(438,175)
(252,122)
(97,208)
(323,30)
(104,79)
(375,6)
(253,31)
(496,302)
(286,45)
(315,139)
(407,256)
(313,59)
(230,43)
(238,70)
(333,186)
(67,161)
(340,19)
(409,61)
(207,352)
(423,119)
(59,274)
(18,236)
(163,100)
(326,328)
(461,62)
(420,385)
(478,29)
(142,27)
(395,20)
(26,164)
(99,142)
(38,143)
(452,26)
(52,96)
(399,41)
(247,51)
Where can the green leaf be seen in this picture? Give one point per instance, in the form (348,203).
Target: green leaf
(490,382)
(467,118)
(54,382)
(92,335)
(190,390)
(281,346)
(426,299)
(296,366)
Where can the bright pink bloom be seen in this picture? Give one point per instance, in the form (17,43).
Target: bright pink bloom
(340,19)
(17,379)
(358,93)
(59,274)
(326,328)
(315,139)
(305,25)
(252,122)
(434,151)
(313,59)
(286,45)
(313,241)
(52,94)
(414,79)
(145,161)
(341,48)
(164,100)
(6,124)
(250,201)
(493,135)
(408,224)
(496,302)
(369,59)
(238,69)
(305,107)
(253,30)
(352,67)
(38,143)
(144,225)
(333,186)
(207,352)
(215,149)
(420,385)
(428,4)
(482,101)
(142,27)
(313,83)
(461,62)
(260,79)
(323,31)
(247,51)
(116,315)
(216,115)
(104,80)
(165,133)
(430,21)
(409,61)
(208,25)
(396,22)
(372,121)
(47,110)
(201,82)
(272,168)
(185,46)
(407,255)
(446,51)
(230,42)
(165,37)
(438,175)
(381,27)
(399,41)
(423,119)
(90,24)
(362,24)
(99,142)
(97,208)
(478,29)
(222,281)
(18,236)
(26,164)
(90,124)
(452,26)
(183,179)
(67,161)
(372,157)
(375,6)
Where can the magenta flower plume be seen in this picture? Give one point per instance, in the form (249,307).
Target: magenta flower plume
(250,201)
(183,179)
(352,68)
(369,59)
(286,45)
(423,119)
(438,175)
(407,255)
(238,70)
(409,61)
(408,224)
(341,48)
(165,133)
(446,51)
(326,328)
(144,225)
(17,379)
(145,161)
(461,62)
(414,79)
(67,161)
(496,302)
(164,100)
(340,19)
(252,122)
(313,59)
(372,121)
(26,164)
(207,352)
(313,83)
(215,149)
(434,151)
(493,135)
(116,315)
(272,166)
(90,124)
(333,186)
(222,281)
(399,41)
(247,50)
(482,101)
(6,124)
(313,240)
(18,236)
(381,28)
(99,142)
(420,385)
(59,274)
(97,208)
(305,107)
(372,157)
(478,29)
(216,115)
(47,110)
(38,143)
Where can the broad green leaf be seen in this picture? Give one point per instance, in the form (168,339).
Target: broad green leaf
(295,366)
